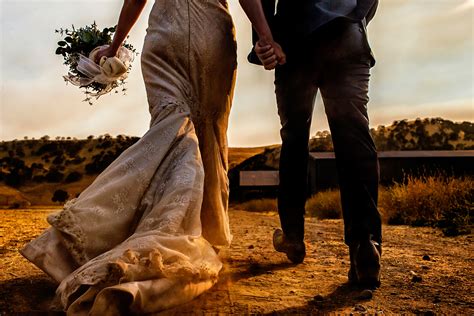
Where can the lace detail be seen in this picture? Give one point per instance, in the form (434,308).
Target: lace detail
(170,224)
(120,200)
(65,222)
(128,166)
(133,266)
(184,179)
(149,150)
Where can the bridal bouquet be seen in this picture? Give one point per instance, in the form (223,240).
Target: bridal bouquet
(78,48)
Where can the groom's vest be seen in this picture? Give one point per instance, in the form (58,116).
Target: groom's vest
(295,20)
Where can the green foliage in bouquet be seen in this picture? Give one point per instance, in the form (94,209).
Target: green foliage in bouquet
(82,41)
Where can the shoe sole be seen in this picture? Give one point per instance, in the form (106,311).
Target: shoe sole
(295,258)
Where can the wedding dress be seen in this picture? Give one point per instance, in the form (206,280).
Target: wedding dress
(139,238)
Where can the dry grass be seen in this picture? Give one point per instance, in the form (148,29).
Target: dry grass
(440,201)
(446,202)
(260,205)
(325,205)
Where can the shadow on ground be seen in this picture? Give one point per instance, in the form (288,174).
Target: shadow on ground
(345,295)
(27,295)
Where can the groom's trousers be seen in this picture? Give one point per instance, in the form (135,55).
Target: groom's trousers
(336,60)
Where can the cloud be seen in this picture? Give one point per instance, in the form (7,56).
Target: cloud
(466,5)
(456,110)
(424,62)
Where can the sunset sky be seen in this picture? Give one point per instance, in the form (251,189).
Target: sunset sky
(424,51)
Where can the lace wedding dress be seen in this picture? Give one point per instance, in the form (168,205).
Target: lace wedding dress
(139,238)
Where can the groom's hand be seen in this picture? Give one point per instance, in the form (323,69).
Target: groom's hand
(270,54)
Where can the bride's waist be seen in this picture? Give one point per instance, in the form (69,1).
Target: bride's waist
(187,7)
(175,16)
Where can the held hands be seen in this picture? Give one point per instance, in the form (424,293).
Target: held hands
(270,54)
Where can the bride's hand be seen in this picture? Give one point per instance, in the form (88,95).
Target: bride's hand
(106,51)
(270,54)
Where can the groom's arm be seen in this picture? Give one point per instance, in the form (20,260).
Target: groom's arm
(254,11)
(268,51)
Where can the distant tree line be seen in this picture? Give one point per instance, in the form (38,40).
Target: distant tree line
(426,134)
(66,160)
(63,160)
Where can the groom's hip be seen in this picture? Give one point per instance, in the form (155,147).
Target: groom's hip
(340,40)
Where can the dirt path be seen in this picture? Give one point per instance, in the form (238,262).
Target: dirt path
(257,280)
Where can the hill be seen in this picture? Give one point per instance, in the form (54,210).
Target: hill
(12,197)
(32,171)
(426,134)
(39,169)
(239,154)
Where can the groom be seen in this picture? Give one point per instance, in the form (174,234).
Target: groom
(322,45)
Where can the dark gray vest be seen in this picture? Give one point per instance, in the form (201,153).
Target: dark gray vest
(302,17)
(296,19)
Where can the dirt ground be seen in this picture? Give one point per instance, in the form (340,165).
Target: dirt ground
(422,273)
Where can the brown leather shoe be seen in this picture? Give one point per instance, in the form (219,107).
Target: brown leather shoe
(365,263)
(295,251)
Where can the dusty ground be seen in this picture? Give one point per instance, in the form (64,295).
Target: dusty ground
(257,280)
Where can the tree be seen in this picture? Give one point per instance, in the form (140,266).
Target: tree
(58,160)
(73,177)
(60,196)
(453,136)
(54,175)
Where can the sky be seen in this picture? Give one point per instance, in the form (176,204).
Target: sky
(425,68)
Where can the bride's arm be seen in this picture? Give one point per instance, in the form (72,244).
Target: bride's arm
(268,51)
(131,10)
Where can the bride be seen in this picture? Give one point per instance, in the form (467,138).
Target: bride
(139,238)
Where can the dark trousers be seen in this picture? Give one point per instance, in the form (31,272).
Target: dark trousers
(336,61)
